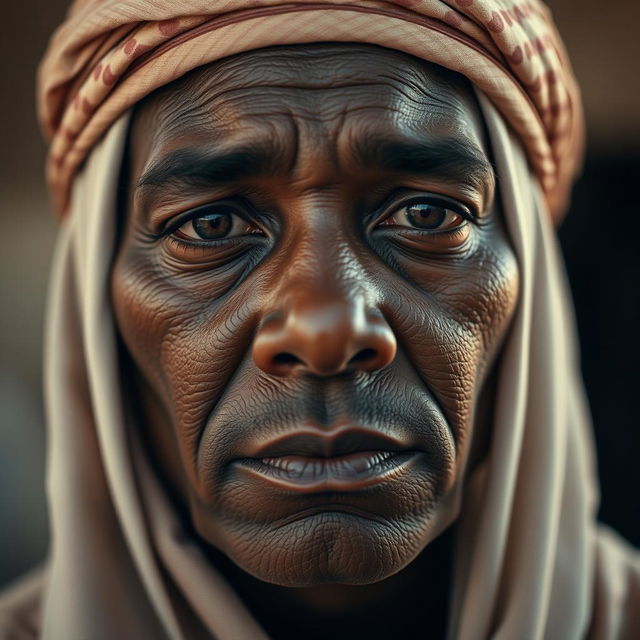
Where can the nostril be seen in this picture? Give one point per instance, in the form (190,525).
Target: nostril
(363,354)
(286,358)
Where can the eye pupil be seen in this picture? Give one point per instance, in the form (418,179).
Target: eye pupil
(426,216)
(214,225)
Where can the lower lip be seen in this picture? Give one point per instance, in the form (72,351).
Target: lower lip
(341,473)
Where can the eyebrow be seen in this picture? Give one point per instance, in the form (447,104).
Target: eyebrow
(205,166)
(451,159)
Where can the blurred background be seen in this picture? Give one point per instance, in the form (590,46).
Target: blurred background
(600,238)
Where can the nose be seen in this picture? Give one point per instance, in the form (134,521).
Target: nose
(324,335)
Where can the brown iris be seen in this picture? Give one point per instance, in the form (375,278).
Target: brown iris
(212,226)
(426,216)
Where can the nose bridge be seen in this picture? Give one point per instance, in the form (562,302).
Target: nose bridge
(323,273)
(327,281)
(323,317)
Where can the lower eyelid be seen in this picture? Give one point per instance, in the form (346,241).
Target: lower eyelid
(449,231)
(220,252)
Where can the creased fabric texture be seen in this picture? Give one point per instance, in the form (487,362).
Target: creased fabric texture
(109,54)
(530,561)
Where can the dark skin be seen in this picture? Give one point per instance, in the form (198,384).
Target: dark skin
(312,245)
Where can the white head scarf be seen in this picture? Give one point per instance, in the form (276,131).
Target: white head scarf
(530,561)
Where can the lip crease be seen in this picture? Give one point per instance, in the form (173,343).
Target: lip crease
(348,458)
(313,443)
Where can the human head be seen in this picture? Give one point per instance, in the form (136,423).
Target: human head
(324,315)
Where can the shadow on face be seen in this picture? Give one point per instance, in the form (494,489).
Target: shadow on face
(312,284)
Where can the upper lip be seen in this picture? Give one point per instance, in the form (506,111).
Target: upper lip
(341,441)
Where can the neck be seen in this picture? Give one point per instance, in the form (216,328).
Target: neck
(416,597)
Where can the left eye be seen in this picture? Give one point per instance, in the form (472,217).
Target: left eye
(424,215)
(215,225)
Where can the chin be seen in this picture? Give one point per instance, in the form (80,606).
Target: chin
(329,545)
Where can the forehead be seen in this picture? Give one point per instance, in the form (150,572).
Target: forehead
(308,91)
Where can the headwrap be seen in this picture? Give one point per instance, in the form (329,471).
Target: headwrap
(529,560)
(111,53)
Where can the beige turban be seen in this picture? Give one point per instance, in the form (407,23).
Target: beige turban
(111,53)
(530,560)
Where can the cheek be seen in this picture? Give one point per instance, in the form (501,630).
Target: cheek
(185,337)
(451,320)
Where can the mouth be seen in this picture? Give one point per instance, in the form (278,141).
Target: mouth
(343,460)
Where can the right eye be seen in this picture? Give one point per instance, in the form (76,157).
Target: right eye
(215,222)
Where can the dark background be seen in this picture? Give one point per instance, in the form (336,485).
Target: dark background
(600,239)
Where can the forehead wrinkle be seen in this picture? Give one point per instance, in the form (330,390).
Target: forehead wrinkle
(218,100)
(325,65)
(314,67)
(237,109)
(227,114)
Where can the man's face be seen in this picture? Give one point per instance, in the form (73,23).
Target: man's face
(312,283)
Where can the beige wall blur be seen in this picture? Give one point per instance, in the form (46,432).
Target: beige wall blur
(602,42)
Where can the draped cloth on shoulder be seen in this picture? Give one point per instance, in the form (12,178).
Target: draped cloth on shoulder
(111,53)
(530,560)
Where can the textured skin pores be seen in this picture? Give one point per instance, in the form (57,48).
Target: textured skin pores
(326,307)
